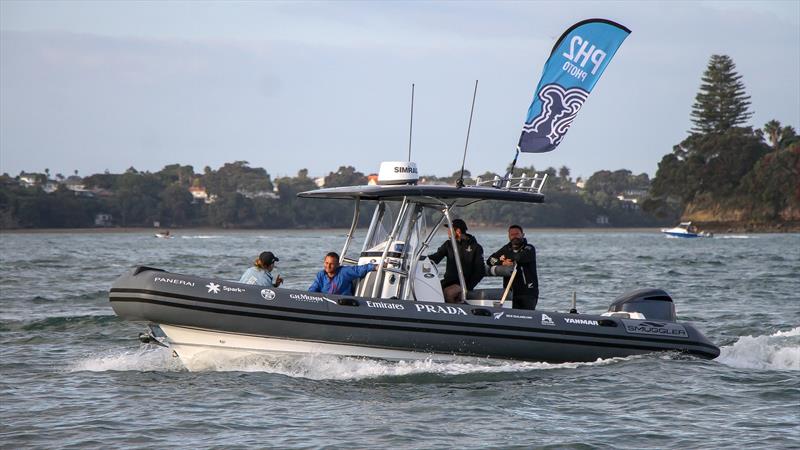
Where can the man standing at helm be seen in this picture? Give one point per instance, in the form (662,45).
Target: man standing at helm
(471,255)
(519,252)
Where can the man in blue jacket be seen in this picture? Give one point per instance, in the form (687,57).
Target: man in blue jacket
(336,279)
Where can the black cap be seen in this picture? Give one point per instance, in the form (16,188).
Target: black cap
(267,258)
(460,224)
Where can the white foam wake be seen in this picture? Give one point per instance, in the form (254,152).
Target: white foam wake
(330,367)
(142,360)
(311,366)
(201,236)
(779,351)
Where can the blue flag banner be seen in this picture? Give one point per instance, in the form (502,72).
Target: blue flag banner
(578,59)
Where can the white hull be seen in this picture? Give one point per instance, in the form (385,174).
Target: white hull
(199,349)
(678,233)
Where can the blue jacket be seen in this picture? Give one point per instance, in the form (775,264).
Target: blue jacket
(342,282)
(257,276)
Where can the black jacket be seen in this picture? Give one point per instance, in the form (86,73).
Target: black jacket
(527,281)
(471,261)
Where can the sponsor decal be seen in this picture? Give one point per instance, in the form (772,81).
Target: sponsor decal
(174,281)
(306,298)
(517,316)
(268,294)
(439,309)
(401,169)
(574,321)
(498,315)
(546,320)
(311,298)
(428,275)
(655,328)
(383,305)
(214,288)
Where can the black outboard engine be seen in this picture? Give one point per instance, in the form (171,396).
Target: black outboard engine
(654,304)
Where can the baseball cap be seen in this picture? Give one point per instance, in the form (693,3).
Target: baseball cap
(267,258)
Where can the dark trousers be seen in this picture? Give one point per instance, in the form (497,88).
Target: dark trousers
(452,294)
(527,300)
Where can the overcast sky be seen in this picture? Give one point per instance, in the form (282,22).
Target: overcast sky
(91,86)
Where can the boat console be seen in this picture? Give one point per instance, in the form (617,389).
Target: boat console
(406,219)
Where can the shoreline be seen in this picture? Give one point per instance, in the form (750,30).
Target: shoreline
(184,231)
(177,231)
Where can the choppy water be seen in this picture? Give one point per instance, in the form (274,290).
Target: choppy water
(73,375)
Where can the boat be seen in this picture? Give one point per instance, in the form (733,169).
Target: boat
(398,312)
(685,230)
(164,235)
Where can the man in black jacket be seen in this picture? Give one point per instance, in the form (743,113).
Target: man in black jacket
(526,282)
(471,255)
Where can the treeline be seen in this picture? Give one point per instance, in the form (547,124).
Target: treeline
(725,174)
(240,196)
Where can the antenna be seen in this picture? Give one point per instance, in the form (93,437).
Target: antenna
(411,122)
(510,173)
(460,182)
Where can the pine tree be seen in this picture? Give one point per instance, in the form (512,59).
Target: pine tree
(721,103)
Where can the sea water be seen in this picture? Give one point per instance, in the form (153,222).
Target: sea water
(74,375)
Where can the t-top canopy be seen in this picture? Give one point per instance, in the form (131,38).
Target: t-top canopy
(425,194)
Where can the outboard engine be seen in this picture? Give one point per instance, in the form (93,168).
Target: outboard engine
(653,304)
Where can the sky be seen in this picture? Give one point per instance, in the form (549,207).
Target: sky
(94,86)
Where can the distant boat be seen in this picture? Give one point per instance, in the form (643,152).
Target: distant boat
(164,235)
(685,230)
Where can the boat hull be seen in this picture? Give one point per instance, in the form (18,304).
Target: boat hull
(679,234)
(254,319)
(200,349)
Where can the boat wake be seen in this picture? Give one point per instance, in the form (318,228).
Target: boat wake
(331,367)
(201,236)
(141,360)
(314,366)
(779,351)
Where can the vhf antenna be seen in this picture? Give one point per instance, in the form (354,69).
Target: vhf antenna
(411,122)
(510,173)
(460,182)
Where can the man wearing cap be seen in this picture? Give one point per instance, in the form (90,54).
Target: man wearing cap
(471,256)
(261,272)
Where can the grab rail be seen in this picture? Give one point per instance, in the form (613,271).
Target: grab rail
(522,183)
